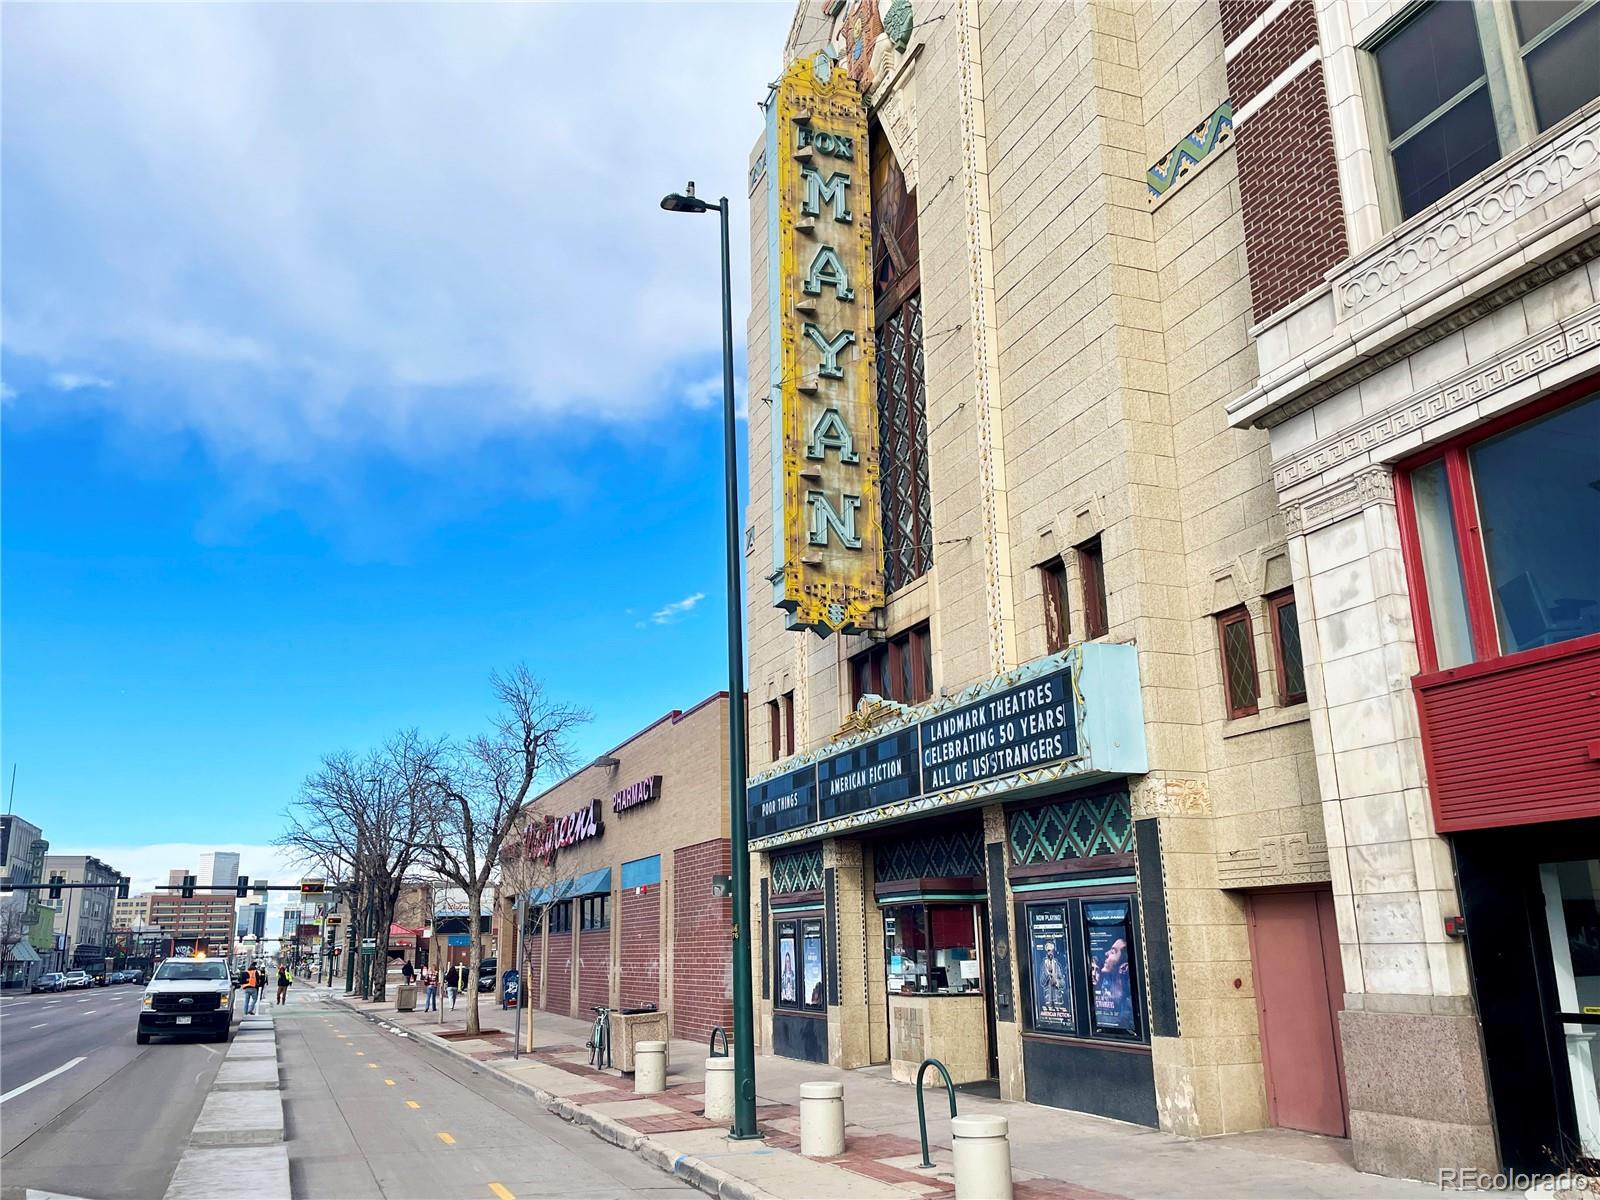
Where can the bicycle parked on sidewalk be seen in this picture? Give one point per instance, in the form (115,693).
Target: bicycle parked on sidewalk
(599,1043)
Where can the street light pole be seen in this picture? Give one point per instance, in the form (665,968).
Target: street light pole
(744,1046)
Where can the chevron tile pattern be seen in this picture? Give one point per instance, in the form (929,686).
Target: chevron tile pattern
(1215,131)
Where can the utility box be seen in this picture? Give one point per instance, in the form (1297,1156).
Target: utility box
(405,998)
(632,1026)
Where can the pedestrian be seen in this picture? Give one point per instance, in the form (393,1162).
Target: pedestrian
(407,971)
(252,988)
(430,982)
(457,979)
(283,985)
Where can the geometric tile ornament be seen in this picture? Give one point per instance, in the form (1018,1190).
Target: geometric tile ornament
(1071,829)
(939,855)
(1214,132)
(797,871)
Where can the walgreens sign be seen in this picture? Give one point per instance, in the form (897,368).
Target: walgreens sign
(636,793)
(542,841)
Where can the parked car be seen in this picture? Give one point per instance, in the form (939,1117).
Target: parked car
(79,979)
(53,981)
(487,974)
(101,978)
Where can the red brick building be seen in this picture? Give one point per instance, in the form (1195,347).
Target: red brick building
(615,865)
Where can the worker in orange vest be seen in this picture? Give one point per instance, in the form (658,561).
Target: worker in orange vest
(252,988)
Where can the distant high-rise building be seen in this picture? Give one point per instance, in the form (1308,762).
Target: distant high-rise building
(218,868)
(175,876)
(82,915)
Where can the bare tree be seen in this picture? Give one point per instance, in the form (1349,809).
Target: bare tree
(528,875)
(364,818)
(480,787)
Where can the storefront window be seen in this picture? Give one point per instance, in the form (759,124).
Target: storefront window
(1082,967)
(811,964)
(1499,576)
(931,949)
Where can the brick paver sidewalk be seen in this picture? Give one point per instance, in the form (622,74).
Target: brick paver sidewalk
(1056,1155)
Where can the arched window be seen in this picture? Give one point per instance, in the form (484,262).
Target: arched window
(902,419)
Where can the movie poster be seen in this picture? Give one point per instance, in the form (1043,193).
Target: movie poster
(811,963)
(787,982)
(1110,972)
(1052,988)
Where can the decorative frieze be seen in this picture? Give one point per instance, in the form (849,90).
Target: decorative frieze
(1374,485)
(1279,859)
(1563,164)
(1546,349)
(1153,796)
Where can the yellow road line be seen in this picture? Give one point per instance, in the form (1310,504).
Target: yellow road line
(374,1066)
(361,1053)
(447,1139)
(412,1104)
(390,1082)
(501,1191)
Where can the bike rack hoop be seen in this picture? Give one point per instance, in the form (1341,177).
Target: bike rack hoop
(922,1116)
(716,1029)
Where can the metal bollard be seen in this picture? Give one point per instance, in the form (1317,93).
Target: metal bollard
(982,1153)
(719,1088)
(821,1119)
(649,1068)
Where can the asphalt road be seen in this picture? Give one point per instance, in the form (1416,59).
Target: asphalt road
(83,1110)
(370,1114)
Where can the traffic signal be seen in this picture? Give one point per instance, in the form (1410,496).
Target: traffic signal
(188,887)
(242,888)
(55,887)
(122,888)
(312,887)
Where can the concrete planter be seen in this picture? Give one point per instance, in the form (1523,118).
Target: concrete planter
(628,1030)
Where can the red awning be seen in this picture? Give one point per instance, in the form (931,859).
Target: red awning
(399,933)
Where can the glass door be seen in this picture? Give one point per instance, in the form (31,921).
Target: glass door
(1572,914)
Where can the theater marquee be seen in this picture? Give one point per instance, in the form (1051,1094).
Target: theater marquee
(829,573)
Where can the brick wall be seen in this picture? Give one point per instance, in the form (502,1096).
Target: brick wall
(533,966)
(702,965)
(640,981)
(1288,178)
(1236,14)
(559,990)
(594,970)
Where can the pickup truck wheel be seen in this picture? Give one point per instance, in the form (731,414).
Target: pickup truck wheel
(142,1038)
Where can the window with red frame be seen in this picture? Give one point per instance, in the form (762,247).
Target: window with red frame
(788,722)
(1236,642)
(1053,579)
(1287,658)
(1502,537)
(1092,570)
(775,729)
(898,669)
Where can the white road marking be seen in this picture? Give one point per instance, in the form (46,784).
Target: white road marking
(41,1025)
(89,1012)
(85,1000)
(33,1083)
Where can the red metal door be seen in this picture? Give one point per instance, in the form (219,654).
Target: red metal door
(1299,991)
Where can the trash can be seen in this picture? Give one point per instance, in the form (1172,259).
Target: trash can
(629,1027)
(405,998)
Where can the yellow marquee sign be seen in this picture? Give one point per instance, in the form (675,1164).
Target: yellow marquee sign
(828,572)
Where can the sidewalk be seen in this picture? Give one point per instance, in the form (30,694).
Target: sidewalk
(1055,1154)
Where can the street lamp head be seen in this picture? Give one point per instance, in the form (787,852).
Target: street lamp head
(686,201)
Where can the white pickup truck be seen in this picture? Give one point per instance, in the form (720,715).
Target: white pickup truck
(187,996)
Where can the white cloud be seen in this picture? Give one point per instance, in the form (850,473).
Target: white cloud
(311,227)
(669,614)
(74,381)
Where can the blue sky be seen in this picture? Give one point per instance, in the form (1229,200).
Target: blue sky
(347,357)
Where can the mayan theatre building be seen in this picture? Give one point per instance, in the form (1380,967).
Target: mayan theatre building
(1034,786)
(1420,186)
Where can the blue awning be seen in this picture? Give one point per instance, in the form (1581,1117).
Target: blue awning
(588,884)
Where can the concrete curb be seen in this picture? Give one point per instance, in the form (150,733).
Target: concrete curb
(713,1181)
